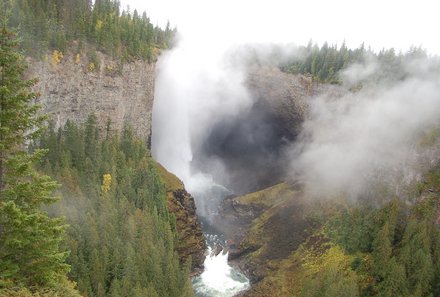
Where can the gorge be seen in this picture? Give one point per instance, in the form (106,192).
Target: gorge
(231,143)
(221,159)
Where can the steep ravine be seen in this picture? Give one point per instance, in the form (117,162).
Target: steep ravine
(70,90)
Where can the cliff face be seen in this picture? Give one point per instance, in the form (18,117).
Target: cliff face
(191,242)
(287,96)
(70,90)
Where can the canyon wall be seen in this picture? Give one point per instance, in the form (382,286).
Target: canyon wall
(72,87)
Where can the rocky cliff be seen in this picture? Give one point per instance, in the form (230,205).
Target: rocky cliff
(191,244)
(74,85)
(287,96)
(273,223)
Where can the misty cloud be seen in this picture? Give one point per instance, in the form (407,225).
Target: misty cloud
(213,129)
(210,129)
(196,88)
(359,72)
(371,136)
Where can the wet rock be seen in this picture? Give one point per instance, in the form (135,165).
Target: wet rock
(191,239)
(191,243)
(217,250)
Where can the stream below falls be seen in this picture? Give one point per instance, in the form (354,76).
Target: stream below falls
(219,279)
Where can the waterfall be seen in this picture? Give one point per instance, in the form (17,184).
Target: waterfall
(193,90)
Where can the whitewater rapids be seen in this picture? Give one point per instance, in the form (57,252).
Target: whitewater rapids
(219,279)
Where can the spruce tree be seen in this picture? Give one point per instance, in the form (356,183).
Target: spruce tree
(29,240)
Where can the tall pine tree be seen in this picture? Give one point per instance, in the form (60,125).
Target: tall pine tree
(30,255)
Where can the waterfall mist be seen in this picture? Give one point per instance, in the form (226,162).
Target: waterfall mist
(379,138)
(210,128)
(196,88)
(219,135)
(214,132)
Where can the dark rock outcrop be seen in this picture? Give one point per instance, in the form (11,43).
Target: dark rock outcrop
(265,228)
(191,243)
(191,239)
(288,96)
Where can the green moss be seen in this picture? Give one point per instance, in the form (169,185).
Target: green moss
(172,183)
(270,197)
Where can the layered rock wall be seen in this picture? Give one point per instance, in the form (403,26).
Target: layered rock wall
(71,90)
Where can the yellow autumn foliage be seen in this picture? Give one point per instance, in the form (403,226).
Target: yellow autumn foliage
(106,183)
(57,56)
(91,67)
(98,25)
(334,256)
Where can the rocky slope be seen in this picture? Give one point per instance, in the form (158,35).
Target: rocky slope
(181,204)
(71,88)
(272,223)
(285,242)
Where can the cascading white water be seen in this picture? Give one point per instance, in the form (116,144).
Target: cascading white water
(192,91)
(219,278)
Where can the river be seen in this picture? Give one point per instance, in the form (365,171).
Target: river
(219,278)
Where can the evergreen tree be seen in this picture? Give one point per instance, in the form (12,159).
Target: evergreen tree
(122,237)
(29,239)
(415,254)
(51,24)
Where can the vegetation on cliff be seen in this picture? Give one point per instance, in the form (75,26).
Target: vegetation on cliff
(52,24)
(191,243)
(122,237)
(336,248)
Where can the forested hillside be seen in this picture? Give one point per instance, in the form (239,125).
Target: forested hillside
(299,247)
(52,24)
(325,63)
(121,237)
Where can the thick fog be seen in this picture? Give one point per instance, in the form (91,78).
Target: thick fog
(195,90)
(377,138)
(210,129)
